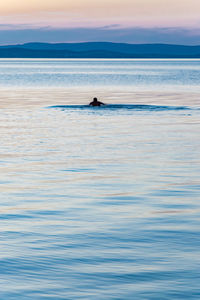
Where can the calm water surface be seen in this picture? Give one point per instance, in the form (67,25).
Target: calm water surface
(99,203)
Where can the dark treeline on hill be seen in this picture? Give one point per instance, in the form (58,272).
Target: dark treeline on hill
(98,50)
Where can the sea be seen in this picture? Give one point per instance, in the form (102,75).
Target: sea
(99,202)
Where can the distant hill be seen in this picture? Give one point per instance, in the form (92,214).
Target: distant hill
(98,50)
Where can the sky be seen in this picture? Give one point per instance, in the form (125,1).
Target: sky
(130,21)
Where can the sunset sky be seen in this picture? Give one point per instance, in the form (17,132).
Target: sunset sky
(134,21)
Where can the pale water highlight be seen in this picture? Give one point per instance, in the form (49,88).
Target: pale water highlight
(99,202)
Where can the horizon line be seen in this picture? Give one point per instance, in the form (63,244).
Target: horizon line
(98,42)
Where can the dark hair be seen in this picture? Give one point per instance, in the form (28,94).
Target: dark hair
(95,99)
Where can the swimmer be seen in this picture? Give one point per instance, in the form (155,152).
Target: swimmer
(95,102)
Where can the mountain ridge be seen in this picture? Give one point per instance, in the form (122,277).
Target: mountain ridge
(98,50)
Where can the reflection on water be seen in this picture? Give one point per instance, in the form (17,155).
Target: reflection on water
(132,74)
(99,203)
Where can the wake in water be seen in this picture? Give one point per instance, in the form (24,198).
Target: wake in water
(114,107)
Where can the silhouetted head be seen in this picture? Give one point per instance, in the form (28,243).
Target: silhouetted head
(95,102)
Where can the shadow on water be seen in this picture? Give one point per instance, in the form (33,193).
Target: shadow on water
(124,107)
